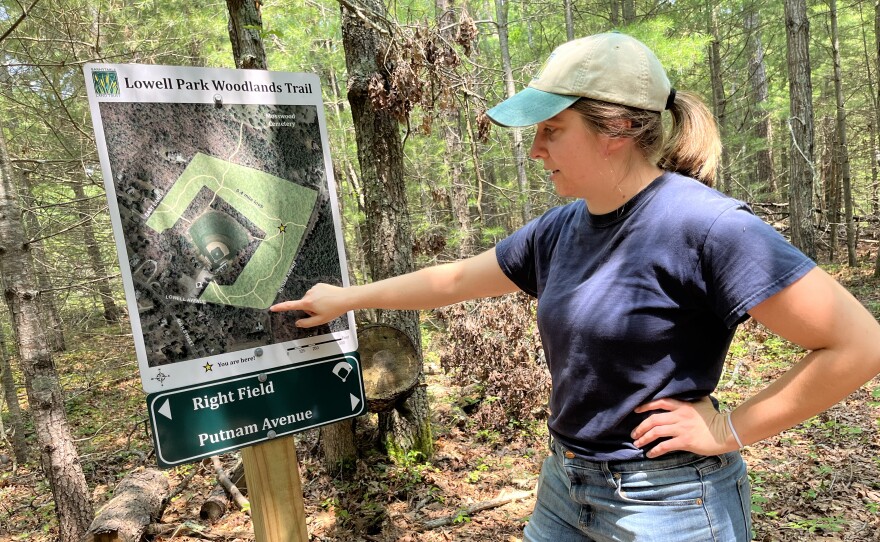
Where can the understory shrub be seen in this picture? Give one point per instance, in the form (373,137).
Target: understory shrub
(495,343)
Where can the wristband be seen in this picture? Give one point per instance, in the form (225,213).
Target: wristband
(733,431)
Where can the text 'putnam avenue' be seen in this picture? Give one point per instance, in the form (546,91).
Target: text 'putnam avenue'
(268,424)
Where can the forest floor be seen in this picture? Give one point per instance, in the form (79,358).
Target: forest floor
(818,480)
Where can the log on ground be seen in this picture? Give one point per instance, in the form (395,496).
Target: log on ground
(139,499)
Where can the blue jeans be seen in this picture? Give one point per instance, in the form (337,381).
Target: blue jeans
(683,498)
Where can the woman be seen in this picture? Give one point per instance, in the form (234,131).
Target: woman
(641,283)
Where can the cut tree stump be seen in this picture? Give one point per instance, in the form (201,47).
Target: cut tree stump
(139,500)
(391,366)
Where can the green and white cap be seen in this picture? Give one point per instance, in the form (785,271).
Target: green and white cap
(611,67)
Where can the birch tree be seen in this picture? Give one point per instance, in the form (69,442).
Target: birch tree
(59,456)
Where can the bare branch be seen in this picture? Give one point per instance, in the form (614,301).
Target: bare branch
(21,19)
(368,16)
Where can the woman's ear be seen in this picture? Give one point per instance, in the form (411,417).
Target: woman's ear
(614,143)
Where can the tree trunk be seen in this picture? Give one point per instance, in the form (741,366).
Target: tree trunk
(841,155)
(875,174)
(389,251)
(478,169)
(719,100)
(519,152)
(47,297)
(355,254)
(111,311)
(569,21)
(19,445)
(454,156)
(139,500)
(829,176)
(245,23)
(59,456)
(876,124)
(338,439)
(761,126)
(629,11)
(800,124)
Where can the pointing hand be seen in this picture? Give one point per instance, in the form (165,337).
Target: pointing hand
(322,303)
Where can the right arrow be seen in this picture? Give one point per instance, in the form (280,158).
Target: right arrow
(354,402)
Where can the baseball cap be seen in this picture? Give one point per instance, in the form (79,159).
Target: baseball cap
(611,67)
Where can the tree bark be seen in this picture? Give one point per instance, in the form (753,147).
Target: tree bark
(629,11)
(829,178)
(800,125)
(454,156)
(59,456)
(139,499)
(111,311)
(877,120)
(47,297)
(761,125)
(519,152)
(389,239)
(569,20)
(841,156)
(719,100)
(245,23)
(19,445)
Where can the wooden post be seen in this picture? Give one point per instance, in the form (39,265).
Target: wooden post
(275,491)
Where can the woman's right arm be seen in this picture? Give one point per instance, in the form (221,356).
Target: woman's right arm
(428,288)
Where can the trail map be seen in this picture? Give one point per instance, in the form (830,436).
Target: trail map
(223,203)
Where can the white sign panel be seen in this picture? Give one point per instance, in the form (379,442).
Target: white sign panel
(222,201)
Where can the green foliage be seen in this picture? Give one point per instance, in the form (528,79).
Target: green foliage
(832,524)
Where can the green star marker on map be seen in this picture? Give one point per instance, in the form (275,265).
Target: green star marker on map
(282,228)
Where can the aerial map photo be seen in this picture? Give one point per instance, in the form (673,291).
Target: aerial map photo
(225,210)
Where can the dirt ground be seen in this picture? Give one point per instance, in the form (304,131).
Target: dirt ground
(819,480)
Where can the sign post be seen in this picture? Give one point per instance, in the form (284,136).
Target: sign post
(275,491)
(222,200)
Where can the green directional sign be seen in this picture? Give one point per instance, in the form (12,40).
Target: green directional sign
(201,421)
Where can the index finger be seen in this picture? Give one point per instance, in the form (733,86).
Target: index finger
(287,306)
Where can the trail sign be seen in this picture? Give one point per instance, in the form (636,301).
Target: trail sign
(221,196)
(201,421)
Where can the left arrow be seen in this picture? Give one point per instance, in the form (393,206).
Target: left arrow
(165,409)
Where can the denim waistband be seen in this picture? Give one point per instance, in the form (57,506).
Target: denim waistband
(667,461)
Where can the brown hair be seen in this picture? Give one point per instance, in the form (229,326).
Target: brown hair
(692,148)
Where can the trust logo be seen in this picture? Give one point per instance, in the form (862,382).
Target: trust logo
(106,82)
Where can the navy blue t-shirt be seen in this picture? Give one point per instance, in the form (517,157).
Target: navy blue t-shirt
(642,303)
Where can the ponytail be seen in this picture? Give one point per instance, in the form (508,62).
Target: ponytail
(693,147)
